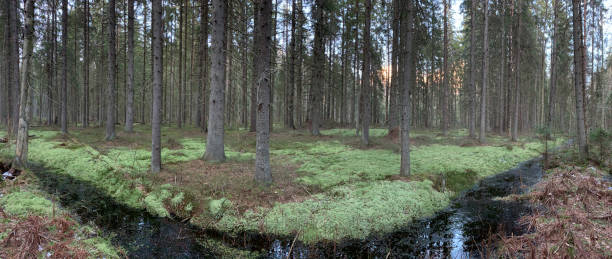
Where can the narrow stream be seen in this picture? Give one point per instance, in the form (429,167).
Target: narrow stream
(460,231)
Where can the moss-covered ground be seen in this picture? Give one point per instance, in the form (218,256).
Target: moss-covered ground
(326,188)
(33,225)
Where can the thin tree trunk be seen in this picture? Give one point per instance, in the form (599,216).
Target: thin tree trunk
(13,62)
(85,111)
(579,78)
(129,110)
(256,68)
(517,73)
(317,73)
(112,72)
(472,112)
(21,149)
(214,140)
(485,71)
(445,88)
(157,73)
(245,62)
(262,157)
(365,81)
(203,62)
(408,82)
(64,112)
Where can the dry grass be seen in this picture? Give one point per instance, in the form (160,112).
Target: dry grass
(234,180)
(34,235)
(574,219)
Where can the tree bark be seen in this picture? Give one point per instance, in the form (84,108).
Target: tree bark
(579,78)
(21,149)
(129,109)
(485,71)
(365,80)
(317,73)
(64,91)
(157,73)
(112,73)
(472,112)
(256,68)
(262,157)
(214,140)
(517,73)
(445,89)
(85,111)
(408,82)
(203,61)
(13,63)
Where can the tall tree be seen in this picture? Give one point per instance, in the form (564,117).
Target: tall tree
(112,72)
(365,78)
(317,70)
(256,68)
(64,112)
(85,109)
(129,102)
(485,71)
(157,73)
(203,61)
(215,150)
(292,61)
(517,71)
(262,155)
(579,77)
(21,149)
(13,64)
(472,88)
(445,88)
(408,81)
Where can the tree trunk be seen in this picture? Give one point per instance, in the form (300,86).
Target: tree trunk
(262,156)
(203,61)
(112,72)
(21,149)
(256,68)
(317,73)
(157,73)
(517,73)
(579,78)
(472,112)
(393,98)
(485,71)
(365,81)
(291,83)
(129,109)
(64,91)
(445,89)
(85,111)
(13,63)
(245,62)
(408,82)
(214,140)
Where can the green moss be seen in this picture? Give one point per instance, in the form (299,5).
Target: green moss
(351,211)
(218,207)
(352,132)
(102,247)
(24,203)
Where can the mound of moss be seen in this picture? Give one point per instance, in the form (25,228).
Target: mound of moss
(25,203)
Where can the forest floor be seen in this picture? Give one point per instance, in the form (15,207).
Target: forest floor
(572,216)
(325,188)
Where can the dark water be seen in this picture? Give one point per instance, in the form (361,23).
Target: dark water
(460,231)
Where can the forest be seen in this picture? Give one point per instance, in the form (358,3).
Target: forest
(305,129)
